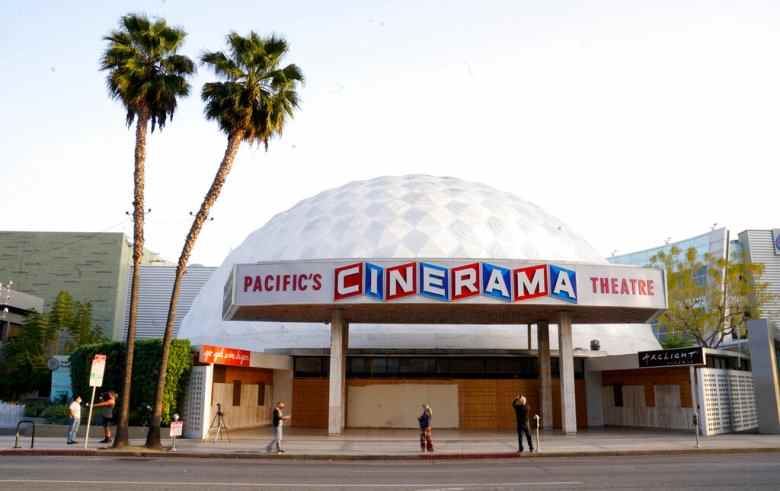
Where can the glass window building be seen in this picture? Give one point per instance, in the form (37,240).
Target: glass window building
(715,242)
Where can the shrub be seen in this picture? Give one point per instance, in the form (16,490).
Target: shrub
(146,368)
(34,408)
(56,414)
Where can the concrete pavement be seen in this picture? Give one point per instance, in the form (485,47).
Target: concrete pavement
(400,444)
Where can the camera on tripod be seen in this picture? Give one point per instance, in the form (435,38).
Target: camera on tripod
(218,425)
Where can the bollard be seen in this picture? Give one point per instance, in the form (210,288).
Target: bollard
(18,429)
(538,439)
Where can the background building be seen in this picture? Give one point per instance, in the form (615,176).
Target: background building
(714,242)
(155,296)
(15,306)
(763,247)
(757,246)
(92,267)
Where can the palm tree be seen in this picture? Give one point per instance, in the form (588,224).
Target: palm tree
(147,75)
(252,104)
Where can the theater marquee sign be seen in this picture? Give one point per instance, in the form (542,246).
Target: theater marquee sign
(442,282)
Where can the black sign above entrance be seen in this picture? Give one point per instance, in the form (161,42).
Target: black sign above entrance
(671,357)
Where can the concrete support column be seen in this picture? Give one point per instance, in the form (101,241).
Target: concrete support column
(545,374)
(337,400)
(566,368)
(766,375)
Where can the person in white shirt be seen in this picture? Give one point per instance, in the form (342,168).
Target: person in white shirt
(277,422)
(74,419)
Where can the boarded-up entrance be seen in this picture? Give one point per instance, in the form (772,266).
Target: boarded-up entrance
(481,404)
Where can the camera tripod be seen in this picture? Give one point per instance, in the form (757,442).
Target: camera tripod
(218,424)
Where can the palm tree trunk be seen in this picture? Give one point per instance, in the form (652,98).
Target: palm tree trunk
(234,141)
(121,439)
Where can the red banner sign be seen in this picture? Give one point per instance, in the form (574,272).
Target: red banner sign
(219,355)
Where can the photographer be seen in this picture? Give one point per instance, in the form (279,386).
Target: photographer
(520,405)
(107,415)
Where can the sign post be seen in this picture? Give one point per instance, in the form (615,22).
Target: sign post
(695,399)
(95,381)
(176,430)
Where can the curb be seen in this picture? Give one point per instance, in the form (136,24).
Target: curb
(377,457)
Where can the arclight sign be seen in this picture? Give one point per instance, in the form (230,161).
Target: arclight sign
(443,281)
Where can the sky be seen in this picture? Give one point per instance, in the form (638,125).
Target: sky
(633,122)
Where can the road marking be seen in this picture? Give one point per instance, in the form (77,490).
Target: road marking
(294,485)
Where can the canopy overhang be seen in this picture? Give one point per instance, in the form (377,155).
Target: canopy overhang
(446,291)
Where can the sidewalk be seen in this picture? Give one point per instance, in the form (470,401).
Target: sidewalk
(400,444)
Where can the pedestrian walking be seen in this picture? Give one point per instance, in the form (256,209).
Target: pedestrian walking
(520,405)
(277,422)
(107,415)
(426,430)
(74,419)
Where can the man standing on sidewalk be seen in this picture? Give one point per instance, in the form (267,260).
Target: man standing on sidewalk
(277,422)
(107,415)
(519,404)
(74,419)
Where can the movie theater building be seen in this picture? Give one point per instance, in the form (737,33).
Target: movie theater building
(359,304)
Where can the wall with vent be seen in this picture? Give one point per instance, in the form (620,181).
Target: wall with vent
(728,402)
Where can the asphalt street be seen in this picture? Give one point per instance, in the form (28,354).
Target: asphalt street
(721,471)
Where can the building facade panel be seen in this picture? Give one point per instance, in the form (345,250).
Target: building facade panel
(155,297)
(760,248)
(87,265)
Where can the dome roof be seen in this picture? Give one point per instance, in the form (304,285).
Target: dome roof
(416,216)
(405,217)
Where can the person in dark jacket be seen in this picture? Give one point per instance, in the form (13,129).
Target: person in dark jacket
(520,405)
(107,414)
(426,435)
(277,422)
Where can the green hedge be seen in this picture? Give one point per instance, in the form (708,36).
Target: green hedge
(56,414)
(146,368)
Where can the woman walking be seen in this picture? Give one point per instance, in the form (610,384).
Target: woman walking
(426,436)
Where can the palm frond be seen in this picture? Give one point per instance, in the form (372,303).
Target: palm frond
(257,95)
(144,69)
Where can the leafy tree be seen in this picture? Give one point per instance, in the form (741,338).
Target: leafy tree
(147,74)
(671,341)
(23,366)
(24,358)
(251,104)
(60,319)
(710,298)
(82,330)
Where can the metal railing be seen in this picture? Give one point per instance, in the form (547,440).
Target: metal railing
(18,430)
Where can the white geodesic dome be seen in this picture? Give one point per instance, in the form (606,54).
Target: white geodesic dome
(405,217)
